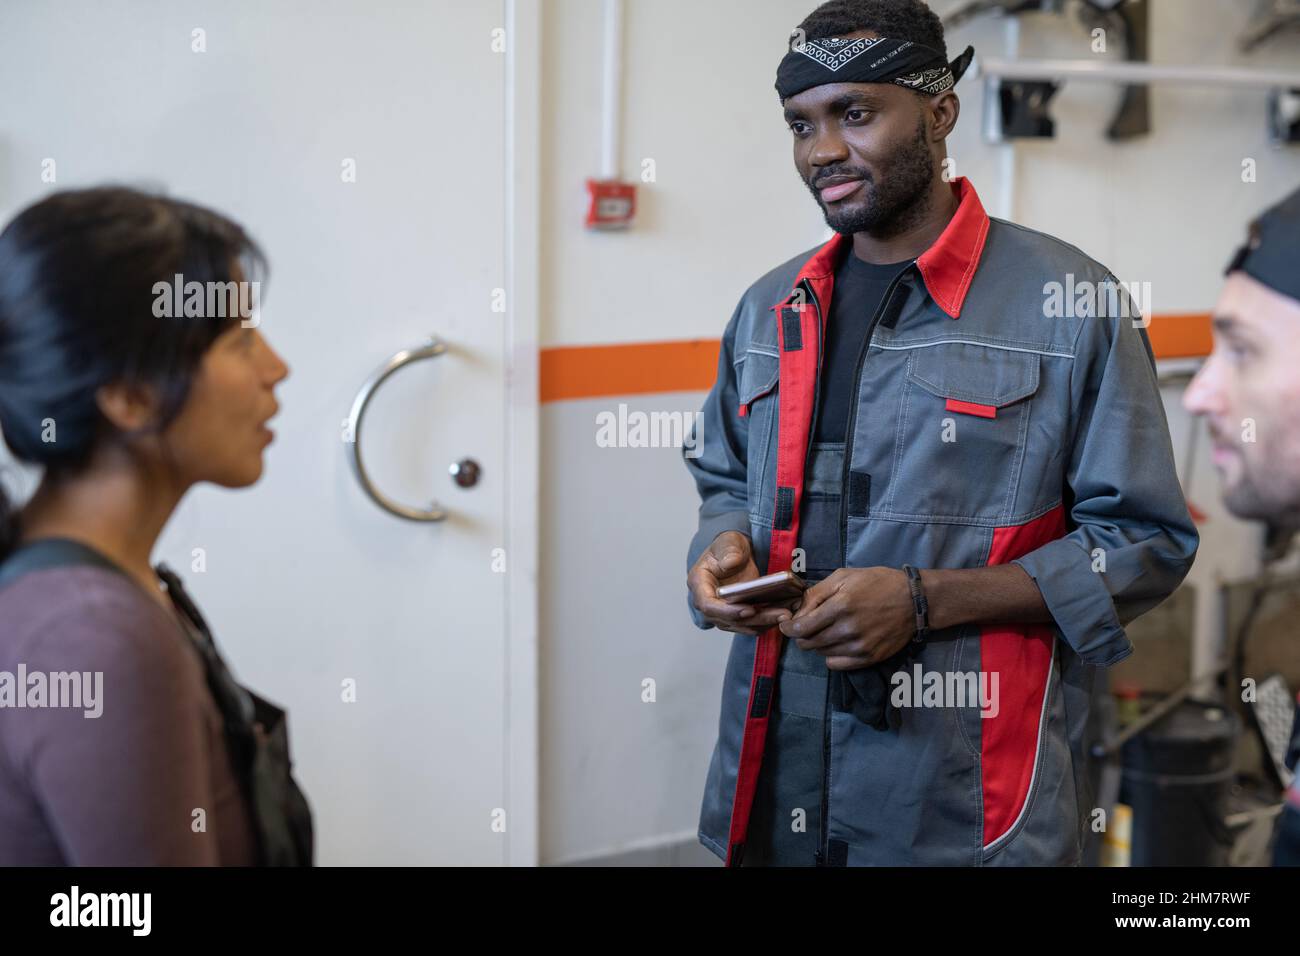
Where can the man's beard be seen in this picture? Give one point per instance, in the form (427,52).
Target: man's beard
(1277,501)
(891,207)
(1266,488)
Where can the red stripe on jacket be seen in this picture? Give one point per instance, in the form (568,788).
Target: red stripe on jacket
(1021,656)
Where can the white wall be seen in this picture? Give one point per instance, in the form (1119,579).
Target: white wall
(728,206)
(306,582)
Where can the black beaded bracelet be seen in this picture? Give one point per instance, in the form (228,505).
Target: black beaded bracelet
(919,603)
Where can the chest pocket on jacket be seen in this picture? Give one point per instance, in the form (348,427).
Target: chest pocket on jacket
(961,432)
(758,394)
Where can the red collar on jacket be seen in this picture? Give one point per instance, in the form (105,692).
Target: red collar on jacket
(947,267)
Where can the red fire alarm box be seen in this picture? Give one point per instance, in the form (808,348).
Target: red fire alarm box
(610,204)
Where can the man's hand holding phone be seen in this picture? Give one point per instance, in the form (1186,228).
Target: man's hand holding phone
(730,560)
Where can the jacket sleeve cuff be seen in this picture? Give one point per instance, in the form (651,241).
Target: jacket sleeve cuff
(713,525)
(710,527)
(1079,602)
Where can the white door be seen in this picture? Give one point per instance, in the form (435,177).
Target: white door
(362,145)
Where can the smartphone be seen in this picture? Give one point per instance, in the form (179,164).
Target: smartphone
(771,589)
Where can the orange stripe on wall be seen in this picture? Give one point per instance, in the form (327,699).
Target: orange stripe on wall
(644,368)
(1181,336)
(648,368)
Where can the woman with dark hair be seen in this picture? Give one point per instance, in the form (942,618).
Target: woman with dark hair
(131,369)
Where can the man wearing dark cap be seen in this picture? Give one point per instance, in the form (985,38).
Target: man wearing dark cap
(979,482)
(1248,391)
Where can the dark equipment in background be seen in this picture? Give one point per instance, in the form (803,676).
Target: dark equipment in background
(1132,22)
(1271,18)
(1024,109)
(1173,766)
(1176,777)
(1284,116)
(1024,102)
(1271,707)
(1273,715)
(1177,765)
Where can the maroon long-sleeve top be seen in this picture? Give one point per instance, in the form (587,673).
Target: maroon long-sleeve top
(146,782)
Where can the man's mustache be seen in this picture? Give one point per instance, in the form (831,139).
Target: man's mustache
(840,174)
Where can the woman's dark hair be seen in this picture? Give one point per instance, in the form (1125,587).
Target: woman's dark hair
(78,311)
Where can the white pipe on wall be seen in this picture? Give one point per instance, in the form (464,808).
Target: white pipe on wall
(1006,208)
(612,107)
(1115,71)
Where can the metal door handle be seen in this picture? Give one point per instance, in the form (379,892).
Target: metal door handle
(430,349)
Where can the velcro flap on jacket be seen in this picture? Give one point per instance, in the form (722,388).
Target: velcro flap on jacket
(757,375)
(974,379)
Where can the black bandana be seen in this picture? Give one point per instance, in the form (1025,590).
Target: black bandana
(1272,254)
(866,60)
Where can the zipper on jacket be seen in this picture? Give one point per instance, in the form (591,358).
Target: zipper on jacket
(817,384)
(823,846)
(823,836)
(812,433)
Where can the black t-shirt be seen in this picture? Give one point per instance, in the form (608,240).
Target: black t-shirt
(857,294)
